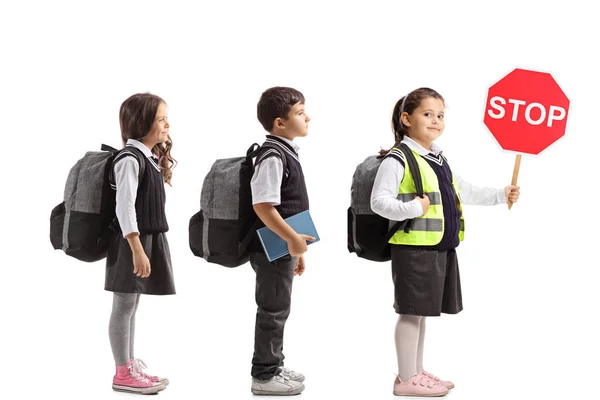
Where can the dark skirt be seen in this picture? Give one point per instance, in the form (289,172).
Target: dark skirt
(119,266)
(426,282)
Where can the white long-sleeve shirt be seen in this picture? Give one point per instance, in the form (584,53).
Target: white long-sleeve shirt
(126,171)
(389,177)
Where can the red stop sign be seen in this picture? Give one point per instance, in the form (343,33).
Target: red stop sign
(526,111)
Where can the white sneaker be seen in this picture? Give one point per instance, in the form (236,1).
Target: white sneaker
(279,385)
(292,375)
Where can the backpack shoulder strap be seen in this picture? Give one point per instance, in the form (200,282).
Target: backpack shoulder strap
(272,150)
(396,154)
(106,147)
(414,168)
(408,157)
(257,151)
(130,151)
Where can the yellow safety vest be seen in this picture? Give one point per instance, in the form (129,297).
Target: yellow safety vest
(428,229)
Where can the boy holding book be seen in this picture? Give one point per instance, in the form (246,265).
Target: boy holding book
(276,195)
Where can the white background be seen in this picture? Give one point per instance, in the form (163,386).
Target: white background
(529,275)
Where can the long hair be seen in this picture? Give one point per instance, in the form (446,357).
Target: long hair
(408,104)
(136,116)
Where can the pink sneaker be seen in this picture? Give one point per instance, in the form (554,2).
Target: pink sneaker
(139,366)
(449,385)
(126,379)
(419,385)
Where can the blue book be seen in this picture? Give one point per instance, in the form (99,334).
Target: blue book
(275,247)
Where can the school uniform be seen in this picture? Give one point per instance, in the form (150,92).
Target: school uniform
(426,277)
(286,191)
(140,207)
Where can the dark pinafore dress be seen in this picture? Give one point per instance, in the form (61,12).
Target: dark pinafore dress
(152,225)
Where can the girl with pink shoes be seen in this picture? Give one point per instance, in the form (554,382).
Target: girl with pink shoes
(138,260)
(424,262)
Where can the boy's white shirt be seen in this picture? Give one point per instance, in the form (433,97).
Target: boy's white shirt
(127,170)
(389,177)
(266,181)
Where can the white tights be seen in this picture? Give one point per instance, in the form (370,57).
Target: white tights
(410,338)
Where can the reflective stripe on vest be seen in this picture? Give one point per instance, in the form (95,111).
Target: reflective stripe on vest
(435,198)
(428,229)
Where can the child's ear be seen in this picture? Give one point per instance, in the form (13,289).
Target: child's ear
(279,123)
(404,119)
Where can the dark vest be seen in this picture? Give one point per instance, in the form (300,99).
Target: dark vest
(150,201)
(452,214)
(294,196)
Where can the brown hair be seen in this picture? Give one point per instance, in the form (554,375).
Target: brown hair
(136,116)
(408,104)
(276,102)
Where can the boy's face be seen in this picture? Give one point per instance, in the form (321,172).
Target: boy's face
(296,123)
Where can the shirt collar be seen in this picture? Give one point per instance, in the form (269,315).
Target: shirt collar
(140,146)
(290,142)
(435,149)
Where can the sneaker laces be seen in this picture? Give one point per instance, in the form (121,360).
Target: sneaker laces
(137,375)
(138,366)
(282,376)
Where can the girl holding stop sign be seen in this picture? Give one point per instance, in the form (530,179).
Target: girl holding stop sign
(424,262)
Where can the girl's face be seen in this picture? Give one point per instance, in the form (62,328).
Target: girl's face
(426,123)
(159,132)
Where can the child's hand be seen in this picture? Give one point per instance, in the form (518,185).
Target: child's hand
(141,264)
(424,203)
(300,266)
(297,245)
(512,193)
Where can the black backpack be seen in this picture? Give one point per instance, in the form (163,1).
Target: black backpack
(223,228)
(368,232)
(80,225)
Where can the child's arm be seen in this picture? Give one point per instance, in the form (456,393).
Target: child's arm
(384,196)
(266,194)
(485,196)
(126,182)
(273,220)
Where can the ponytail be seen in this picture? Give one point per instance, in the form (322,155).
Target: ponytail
(397,126)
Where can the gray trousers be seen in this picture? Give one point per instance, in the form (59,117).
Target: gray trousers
(273,299)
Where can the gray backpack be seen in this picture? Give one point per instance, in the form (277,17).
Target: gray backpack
(225,225)
(80,225)
(369,233)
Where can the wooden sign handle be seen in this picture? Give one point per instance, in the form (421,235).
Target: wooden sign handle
(515,176)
